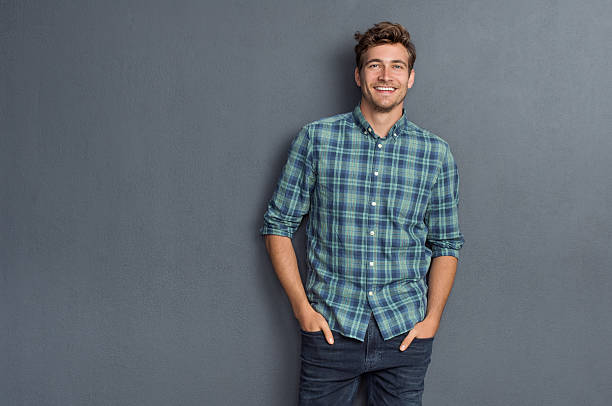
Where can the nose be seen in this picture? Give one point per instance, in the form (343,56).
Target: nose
(384,74)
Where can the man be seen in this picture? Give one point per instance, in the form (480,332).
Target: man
(382,196)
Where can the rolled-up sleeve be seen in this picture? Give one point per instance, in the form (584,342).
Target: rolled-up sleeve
(441,218)
(291,198)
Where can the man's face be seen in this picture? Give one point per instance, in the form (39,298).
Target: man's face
(384,77)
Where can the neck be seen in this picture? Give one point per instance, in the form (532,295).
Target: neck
(381,121)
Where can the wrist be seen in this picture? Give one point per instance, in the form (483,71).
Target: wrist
(431,319)
(300,308)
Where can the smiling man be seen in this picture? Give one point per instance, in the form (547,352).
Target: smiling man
(383,236)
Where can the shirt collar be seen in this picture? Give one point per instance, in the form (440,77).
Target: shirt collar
(366,128)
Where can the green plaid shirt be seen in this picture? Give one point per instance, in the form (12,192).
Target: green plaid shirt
(378,210)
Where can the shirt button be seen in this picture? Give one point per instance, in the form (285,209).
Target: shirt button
(376,173)
(371,263)
(373,203)
(372,232)
(371,293)
(370,129)
(379,145)
(395,134)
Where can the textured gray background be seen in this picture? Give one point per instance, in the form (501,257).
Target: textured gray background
(140,142)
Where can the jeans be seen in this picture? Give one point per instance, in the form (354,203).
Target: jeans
(330,374)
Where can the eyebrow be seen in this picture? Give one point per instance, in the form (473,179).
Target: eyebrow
(380,60)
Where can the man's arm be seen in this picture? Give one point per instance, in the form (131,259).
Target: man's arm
(445,240)
(289,204)
(441,277)
(281,252)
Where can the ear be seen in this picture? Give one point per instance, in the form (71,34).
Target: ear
(357,79)
(411,79)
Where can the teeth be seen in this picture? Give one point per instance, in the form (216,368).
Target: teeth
(384,88)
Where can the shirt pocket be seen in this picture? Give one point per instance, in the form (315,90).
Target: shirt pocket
(408,197)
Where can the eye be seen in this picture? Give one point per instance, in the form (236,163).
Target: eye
(398,66)
(373,65)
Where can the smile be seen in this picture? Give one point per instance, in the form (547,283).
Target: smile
(385,89)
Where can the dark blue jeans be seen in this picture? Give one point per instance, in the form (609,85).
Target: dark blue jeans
(330,374)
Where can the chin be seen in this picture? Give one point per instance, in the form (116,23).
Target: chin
(385,108)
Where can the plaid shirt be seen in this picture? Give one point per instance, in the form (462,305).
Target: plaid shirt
(379,210)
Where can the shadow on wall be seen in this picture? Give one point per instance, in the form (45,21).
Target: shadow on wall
(343,96)
(346,95)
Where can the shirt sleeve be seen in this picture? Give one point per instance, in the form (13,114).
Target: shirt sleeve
(441,217)
(291,198)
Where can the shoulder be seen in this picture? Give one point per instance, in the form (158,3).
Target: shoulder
(329,125)
(434,147)
(328,129)
(425,135)
(319,132)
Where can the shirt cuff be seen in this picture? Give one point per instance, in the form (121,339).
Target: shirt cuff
(265,230)
(440,252)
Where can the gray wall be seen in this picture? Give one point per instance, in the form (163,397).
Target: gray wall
(140,142)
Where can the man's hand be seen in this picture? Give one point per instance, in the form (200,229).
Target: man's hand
(441,277)
(424,329)
(282,254)
(310,320)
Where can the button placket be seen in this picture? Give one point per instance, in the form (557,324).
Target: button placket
(372,221)
(368,141)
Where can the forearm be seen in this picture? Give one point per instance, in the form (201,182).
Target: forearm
(441,277)
(284,261)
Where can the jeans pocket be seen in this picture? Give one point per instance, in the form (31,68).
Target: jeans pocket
(424,339)
(311,333)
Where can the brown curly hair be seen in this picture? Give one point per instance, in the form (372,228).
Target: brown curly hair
(383,33)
